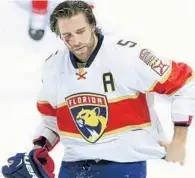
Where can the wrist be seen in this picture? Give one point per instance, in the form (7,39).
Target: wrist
(180,134)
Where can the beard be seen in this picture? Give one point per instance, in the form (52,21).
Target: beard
(84,52)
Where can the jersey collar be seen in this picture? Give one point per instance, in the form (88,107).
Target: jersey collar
(74,59)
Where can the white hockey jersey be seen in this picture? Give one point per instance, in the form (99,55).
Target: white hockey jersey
(104,109)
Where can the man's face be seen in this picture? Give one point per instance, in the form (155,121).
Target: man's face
(78,35)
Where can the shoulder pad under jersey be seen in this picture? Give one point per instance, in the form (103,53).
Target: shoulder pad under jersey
(50,66)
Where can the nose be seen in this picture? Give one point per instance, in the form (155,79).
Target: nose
(76,41)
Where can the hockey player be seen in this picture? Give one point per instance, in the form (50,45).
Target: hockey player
(97,100)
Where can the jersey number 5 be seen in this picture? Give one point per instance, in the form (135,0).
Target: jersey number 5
(130,44)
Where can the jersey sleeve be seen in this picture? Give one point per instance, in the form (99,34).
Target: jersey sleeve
(47,132)
(151,73)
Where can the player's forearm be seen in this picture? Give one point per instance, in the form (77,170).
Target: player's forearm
(180,134)
(183,105)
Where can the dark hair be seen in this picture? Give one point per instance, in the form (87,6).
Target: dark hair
(68,9)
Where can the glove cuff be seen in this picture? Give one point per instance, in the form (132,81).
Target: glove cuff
(48,139)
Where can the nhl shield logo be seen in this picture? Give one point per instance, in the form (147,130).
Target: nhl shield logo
(90,114)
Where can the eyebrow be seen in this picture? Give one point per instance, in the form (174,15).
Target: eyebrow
(80,29)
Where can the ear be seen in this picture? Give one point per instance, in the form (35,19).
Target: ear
(97,111)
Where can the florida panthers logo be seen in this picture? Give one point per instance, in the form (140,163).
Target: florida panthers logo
(90,113)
